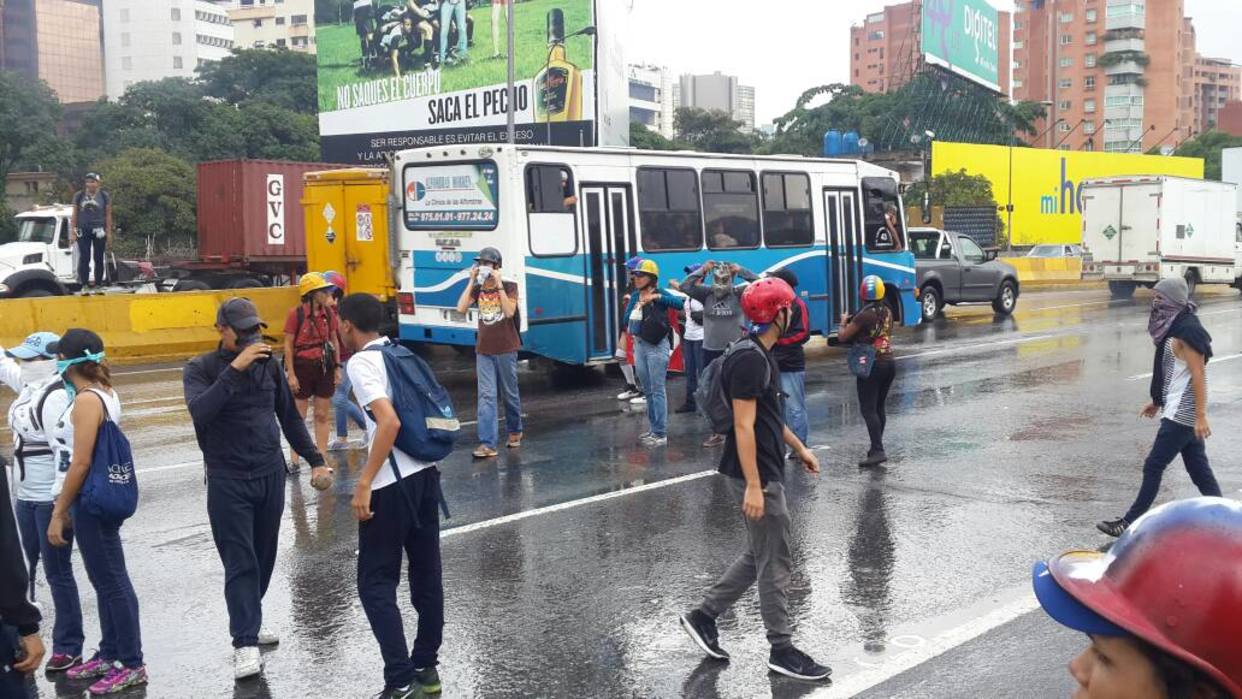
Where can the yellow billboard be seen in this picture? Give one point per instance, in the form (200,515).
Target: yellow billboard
(1044,186)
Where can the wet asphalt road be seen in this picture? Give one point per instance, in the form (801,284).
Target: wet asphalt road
(567,561)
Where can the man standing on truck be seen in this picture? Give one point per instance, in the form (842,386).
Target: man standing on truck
(1178,396)
(92,227)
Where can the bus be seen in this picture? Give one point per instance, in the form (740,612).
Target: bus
(566,220)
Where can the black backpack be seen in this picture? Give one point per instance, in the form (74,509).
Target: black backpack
(655,326)
(711,396)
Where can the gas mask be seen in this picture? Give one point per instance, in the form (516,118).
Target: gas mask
(722,281)
(485,273)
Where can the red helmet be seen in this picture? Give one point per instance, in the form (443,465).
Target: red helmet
(1171,580)
(763,299)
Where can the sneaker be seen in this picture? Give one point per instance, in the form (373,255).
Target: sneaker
(338,444)
(119,679)
(246,662)
(644,436)
(410,691)
(687,408)
(61,662)
(1115,527)
(654,440)
(874,458)
(791,662)
(714,441)
(484,452)
(629,392)
(515,440)
(267,637)
(89,670)
(702,630)
(428,680)
(639,400)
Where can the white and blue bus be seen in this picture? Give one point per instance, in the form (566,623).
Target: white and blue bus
(567,219)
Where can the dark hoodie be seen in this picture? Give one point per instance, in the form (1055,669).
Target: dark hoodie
(15,609)
(1187,328)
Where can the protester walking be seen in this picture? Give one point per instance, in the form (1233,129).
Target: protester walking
(343,407)
(647,322)
(1162,609)
(21,648)
(496,350)
(871,331)
(313,355)
(30,370)
(88,435)
(753,464)
(691,344)
(625,345)
(723,320)
(397,502)
(239,403)
(1178,396)
(91,222)
(791,360)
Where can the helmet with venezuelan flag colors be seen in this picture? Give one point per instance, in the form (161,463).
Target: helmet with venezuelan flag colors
(337,280)
(633,263)
(871,289)
(648,267)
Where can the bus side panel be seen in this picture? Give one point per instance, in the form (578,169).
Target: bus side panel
(897,271)
(556,309)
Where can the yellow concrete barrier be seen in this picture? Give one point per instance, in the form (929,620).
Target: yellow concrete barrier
(142,327)
(1046,269)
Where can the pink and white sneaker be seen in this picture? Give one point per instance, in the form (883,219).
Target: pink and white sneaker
(119,679)
(89,670)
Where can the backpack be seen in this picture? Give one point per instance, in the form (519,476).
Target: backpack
(110,491)
(861,358)
(327,351)
(428,424)
(712,398)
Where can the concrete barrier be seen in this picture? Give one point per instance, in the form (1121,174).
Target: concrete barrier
(1046,269)
(142,327)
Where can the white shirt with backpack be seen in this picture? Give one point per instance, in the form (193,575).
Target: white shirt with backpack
(36,406)
(370,382)
(60,432)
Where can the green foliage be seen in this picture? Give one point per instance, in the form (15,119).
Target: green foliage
(644,138)
(953,189)
(1113,58)
(712,131)
(1209,146)
(8,224)
(29,113)
(280,77)
(153,199)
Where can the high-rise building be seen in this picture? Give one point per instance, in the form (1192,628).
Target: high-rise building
(146,40)
(1217,81)
(886,49)
(1115,75)
(57,41)
(651,98)
(718,92)
(273,23)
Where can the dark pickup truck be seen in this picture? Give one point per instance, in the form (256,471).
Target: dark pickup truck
(953,269)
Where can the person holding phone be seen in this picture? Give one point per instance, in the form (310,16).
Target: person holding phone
(496,349)
(240,402)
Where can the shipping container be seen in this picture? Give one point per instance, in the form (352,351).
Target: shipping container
(250,213)
(347,228)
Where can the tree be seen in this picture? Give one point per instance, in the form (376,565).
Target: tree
(644,138)
(276,133)
(1209,146)
(153,199)
(284,78)
(712,131)
(29,114)
(953,189)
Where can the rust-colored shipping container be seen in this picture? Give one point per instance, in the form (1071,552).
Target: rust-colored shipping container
(250,213)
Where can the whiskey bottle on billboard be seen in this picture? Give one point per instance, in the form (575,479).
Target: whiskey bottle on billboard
(558,87)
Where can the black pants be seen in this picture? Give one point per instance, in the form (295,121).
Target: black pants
(245,523)
(394,529)
(13,684)
(1173,439)
(90,247)
(872,394)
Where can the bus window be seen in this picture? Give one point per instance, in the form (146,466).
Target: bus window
(787,210)
(551,203)
(731,207)
(668,209)
(882,224)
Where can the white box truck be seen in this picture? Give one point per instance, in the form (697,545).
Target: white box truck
(1138,230)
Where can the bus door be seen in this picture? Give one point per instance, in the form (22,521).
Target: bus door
(610,240)
(844,252)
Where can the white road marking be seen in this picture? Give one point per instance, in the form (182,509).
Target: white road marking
(1070,305)
(1211,363)
(971,348)
(570,504)
(146,371)
(928,649)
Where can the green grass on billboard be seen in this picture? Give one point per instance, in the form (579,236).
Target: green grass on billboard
(339,52)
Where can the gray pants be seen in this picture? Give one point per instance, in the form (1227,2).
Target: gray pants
(766,560)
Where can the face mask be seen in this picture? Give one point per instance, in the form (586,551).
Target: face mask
(62,365)
(35,371)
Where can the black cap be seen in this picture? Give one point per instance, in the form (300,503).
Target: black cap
(786,275)
(77,342)
(239,313)
(491,255)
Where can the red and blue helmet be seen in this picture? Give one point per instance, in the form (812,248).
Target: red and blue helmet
(632,263)
(871,289)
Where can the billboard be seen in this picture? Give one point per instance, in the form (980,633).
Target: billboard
(1044,186)
(396,74)
(964,37)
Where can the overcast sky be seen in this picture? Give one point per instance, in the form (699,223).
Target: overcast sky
(798,44)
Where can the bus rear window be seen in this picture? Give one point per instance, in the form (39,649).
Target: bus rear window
(883,227)
(668,209)
(459,196)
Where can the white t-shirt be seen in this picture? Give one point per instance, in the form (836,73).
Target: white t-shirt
(369,377)
(694,331)
(60,434)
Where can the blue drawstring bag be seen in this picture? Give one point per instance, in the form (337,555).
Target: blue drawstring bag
(862,359)
(110,491)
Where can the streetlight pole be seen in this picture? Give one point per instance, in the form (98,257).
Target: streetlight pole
(511,130)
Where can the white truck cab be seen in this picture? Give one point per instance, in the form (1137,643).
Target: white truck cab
(42,261)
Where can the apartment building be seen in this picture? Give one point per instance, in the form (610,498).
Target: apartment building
(57,41)
(651,98)
(886,49)
(273,24)
(717,92)
(146,40)
(1217,81)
